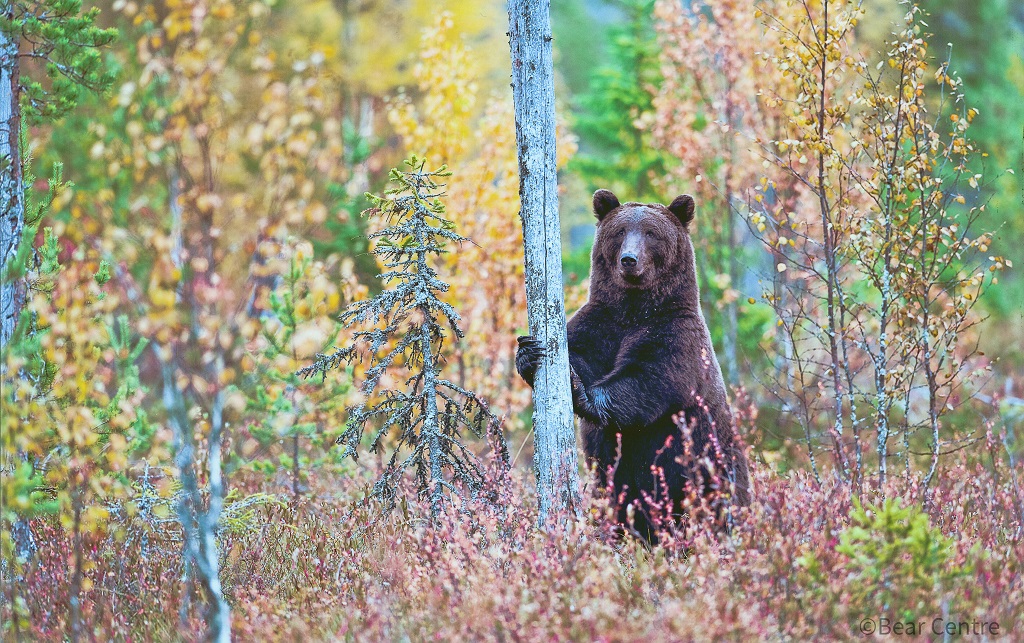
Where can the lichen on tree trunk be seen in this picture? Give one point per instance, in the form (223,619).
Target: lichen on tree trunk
(12,193)
(534,96)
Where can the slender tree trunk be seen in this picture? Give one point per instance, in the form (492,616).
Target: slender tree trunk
(201,553)
(730,339)
(220,621)
(12,224)
(296,469)
(732,327)
(76,576)
(831,265)
(533,91)
(12,191)
(431,426)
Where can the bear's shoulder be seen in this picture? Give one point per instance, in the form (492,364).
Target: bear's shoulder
(590,314)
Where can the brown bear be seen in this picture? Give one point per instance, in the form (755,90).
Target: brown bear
(641,357)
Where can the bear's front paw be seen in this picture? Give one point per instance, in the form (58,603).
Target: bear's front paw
(590,404)
(528,357)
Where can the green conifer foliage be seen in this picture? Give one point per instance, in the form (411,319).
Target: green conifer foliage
(66,41)
(404,328)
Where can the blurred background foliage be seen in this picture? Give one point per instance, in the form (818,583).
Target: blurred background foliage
(293,111)
(204,212)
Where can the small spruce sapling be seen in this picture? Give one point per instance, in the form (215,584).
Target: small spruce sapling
(405,327)
(294,321)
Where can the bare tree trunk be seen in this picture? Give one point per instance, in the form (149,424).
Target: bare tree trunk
(219,621)
(533,91)
(730,336)
(12,192)
(360,178)
(831,267)
(201,554)
(201,557)
(76,576)
(12,224)
(431,426)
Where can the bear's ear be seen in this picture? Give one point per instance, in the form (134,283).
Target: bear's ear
(682,206)
(604,202)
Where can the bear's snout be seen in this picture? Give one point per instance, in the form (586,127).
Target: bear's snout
(631,255)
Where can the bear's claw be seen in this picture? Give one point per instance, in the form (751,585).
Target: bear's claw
(528,357)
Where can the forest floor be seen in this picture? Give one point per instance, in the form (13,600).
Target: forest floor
(805,561)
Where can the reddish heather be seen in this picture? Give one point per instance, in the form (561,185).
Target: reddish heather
(802,562)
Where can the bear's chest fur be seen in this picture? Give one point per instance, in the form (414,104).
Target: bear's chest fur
(602,332)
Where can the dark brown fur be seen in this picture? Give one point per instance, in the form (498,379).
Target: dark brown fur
(641,353)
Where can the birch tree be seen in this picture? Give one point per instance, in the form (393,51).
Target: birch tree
(57,33)
(12,205)
(884,259)
(533,92)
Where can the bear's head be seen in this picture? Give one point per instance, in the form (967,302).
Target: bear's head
(642,246)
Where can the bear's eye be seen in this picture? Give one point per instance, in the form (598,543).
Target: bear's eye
(651,234)
(620,233)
